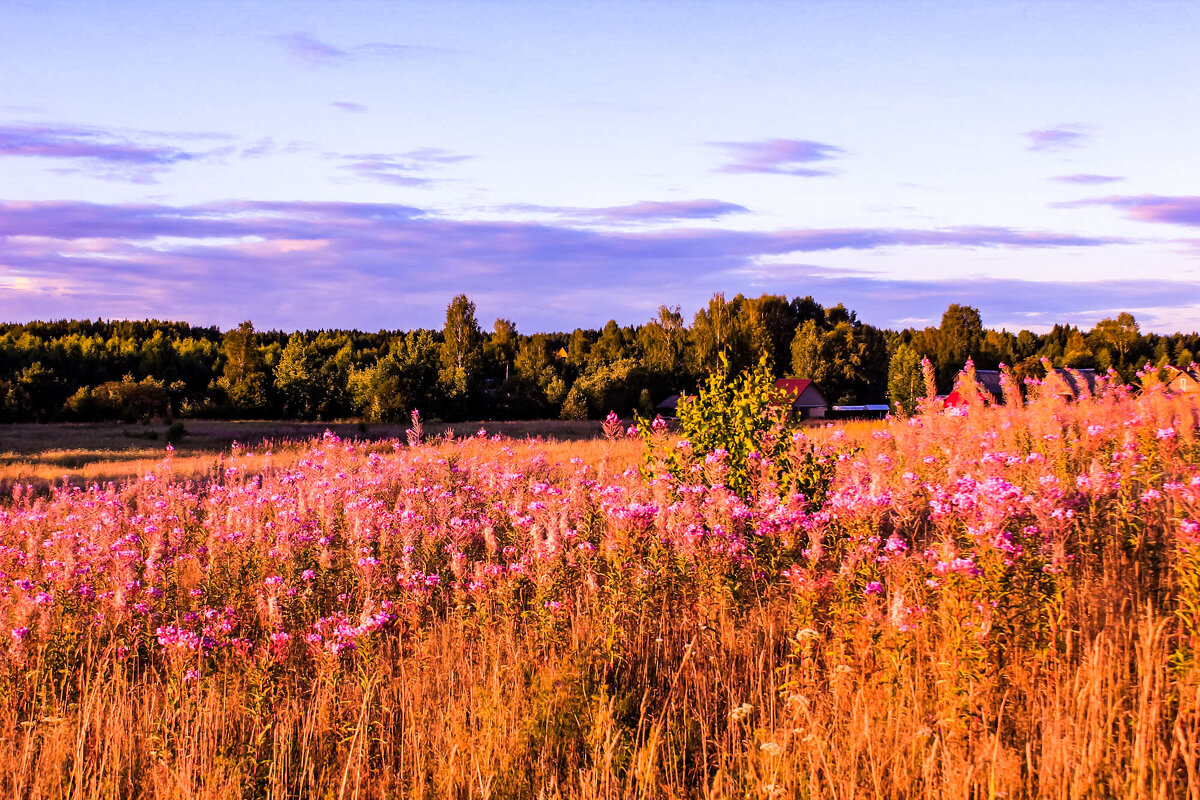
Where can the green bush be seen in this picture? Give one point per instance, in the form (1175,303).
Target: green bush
(575,406)
(176,432)
(747,424)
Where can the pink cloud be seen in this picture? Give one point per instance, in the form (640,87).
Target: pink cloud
(1086,179)
(644,211)
(62,141)
(1172,210)
(311,50)
(314,52)
(119,155)
(401,169)
(778,157)
(1059,138)
(325,264)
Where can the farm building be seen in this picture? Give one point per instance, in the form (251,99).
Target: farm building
(807,400)
(1184,381)
(988,381)
(989,384)
(1088,375)
(669,408)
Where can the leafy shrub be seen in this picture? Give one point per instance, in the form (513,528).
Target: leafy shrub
(575,406)
(747,424)
(176,432)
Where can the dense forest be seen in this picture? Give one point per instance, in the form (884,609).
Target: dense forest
(74,370)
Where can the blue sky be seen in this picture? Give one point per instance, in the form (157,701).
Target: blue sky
(312,165)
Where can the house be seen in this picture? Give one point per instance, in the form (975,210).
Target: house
(1068,375)
(806,400)
(1184,381)
(669,408)
(989,384)
(988,381)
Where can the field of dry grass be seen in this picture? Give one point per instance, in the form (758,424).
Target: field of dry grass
(999,603)
(84,453)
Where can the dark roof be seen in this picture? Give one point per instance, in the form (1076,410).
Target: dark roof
(989,381)
(1088,375)
(672,402)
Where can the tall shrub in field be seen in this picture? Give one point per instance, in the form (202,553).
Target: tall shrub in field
(745,424)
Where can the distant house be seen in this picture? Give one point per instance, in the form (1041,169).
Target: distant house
(561,353)
(669,408)
(1184,381)
(1068,375)
(806,400)
(988,381)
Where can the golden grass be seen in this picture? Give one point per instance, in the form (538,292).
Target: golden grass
(693,684)
(493,712)
(42,455)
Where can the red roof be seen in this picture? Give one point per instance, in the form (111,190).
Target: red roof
(795,386)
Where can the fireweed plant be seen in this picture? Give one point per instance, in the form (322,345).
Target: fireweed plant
(988,600)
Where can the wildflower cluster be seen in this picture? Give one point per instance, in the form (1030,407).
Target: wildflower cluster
(944,559)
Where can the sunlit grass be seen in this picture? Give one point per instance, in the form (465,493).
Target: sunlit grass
(1004,603)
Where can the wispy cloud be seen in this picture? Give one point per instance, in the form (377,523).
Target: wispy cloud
(645,211)
(374,264)
(778,157)
(381,223)
(411,168)
(260,149)
(1086,179)
(63,141)
(663,211)
(345,105)
(1060,138)
(120,155)
(1173,210)
(312,51)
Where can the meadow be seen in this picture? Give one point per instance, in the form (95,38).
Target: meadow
(81,453)
(992,601)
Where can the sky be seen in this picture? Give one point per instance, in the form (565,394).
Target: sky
(314,165)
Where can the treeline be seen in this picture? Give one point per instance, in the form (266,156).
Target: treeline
(81,370)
